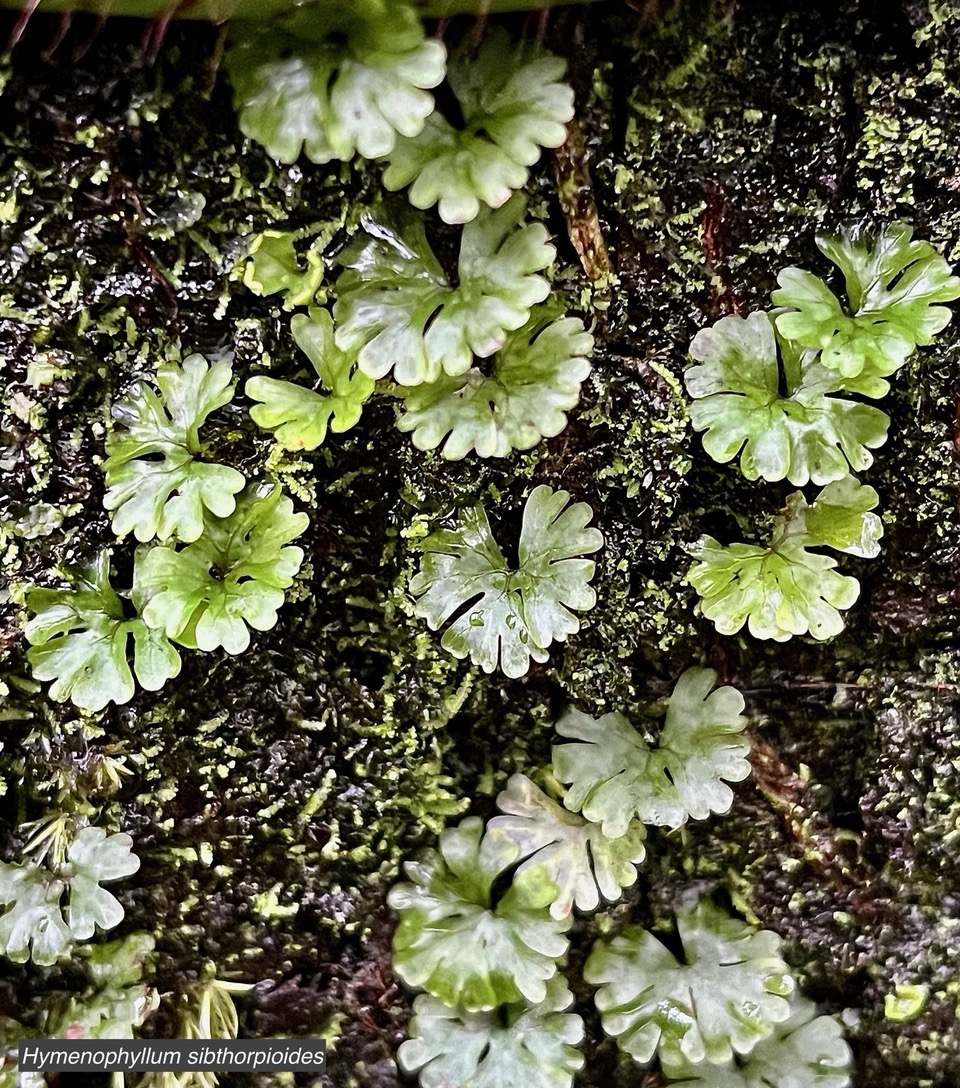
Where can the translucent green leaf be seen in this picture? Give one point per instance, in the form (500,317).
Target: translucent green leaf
(839,518)
(800,435)
(893,284)
(700,750)
(79,638)
(778,592)
(510,404)
(725,997)
(337,79)
(275,266)
(299,417)
(32,926)
(459,945)
(806,1051)
(204,594)
(111,1014)
(501,615)
(615,775)
(117,1001)
(581,860)
(533,1046)
(397,309)
(118,964)
(513,104)
(96,858)
(157,485)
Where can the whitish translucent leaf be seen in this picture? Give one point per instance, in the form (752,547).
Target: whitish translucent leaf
(725,997)
(398,311)
(32,925)
(804,434)
(893,284)
(615,776)
(275,266)
(94,859)
(497,614)
(157,485)
(299,417)
(533,1046)
(778,592)
(511,404)
(839,518)
(79,638)
(336,79)
(205,594)
(109,1014)
(700,749)
(582,861)
(806,1051)
(117,1000)
(460,946)
(513,104)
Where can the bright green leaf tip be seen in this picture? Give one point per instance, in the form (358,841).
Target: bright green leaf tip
(778,592)
(168,497)
(33,925)
(275,266)
(517,400)
(804,1051)
(580,858)
(806,434)
(906,1002)
(297,416)
(398,311)
(785,589)
(94,858)
(724,998)
(839,518)
(79,638)
(894,283)
(513,104)
(529,1045)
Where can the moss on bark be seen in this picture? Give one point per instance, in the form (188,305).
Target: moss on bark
(273,795)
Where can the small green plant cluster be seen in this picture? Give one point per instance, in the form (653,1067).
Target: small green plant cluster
(776,390)
(479,359)
(112,1003)
(335,79)
(477,354)
(341,79)
(34,924)
(53,900)
(213,562)
(488,954)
